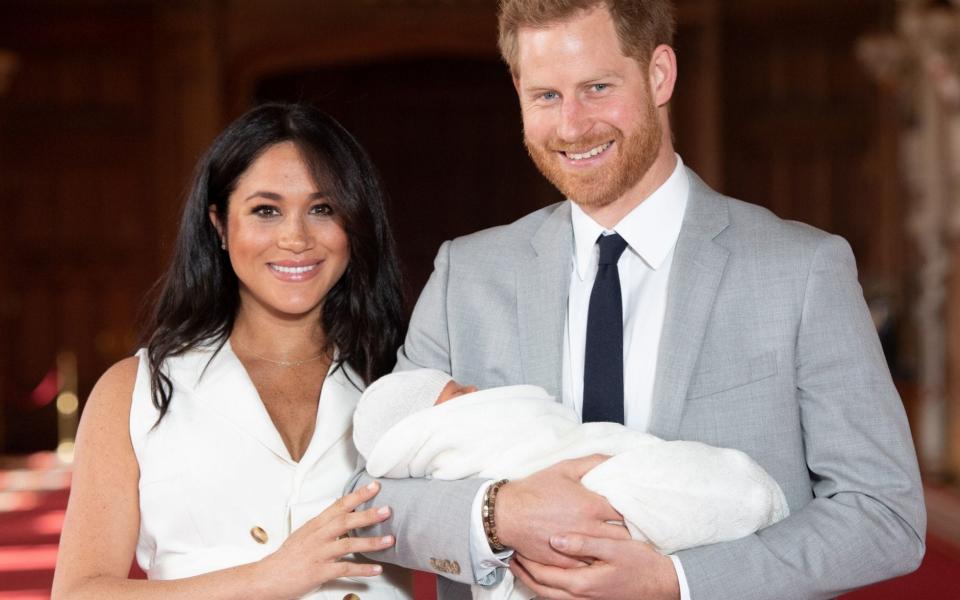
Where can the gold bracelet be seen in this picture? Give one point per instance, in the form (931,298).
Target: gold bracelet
(488,513)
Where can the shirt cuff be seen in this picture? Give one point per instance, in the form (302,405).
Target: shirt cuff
(681,577)
(485,561)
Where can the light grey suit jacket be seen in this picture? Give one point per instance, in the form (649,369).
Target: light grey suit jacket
(767,347)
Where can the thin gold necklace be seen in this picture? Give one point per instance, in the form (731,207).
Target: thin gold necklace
(286,364)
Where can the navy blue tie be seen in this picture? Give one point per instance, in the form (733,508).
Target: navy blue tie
(603,355)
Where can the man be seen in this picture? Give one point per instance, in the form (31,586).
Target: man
(738,329)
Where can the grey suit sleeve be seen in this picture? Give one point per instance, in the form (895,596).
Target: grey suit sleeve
(431,518)
(867,520)
(427,344)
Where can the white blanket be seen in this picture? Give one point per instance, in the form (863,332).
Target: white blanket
(674,495)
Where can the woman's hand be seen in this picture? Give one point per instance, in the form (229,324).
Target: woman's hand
(311,555)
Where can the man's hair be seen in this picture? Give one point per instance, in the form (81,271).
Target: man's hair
(641,25)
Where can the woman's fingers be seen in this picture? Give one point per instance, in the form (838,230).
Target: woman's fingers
(341,547)
(354,545)
(319,545)
(350,569)
(346,505)
(354,499)
(358,520)
(340,525)
(335,527)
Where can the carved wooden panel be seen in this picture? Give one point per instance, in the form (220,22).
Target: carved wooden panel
(804,131)
(78,240)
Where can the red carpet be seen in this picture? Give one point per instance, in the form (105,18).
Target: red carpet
(33,497)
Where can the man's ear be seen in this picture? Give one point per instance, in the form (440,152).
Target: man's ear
(215,219)
(516,83)
(663,74)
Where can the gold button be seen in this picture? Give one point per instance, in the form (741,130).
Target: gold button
(351,597)
(259,535)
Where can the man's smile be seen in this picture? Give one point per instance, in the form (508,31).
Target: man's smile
(592,152)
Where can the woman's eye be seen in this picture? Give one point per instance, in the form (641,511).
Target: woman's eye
(265,210)
(324,210)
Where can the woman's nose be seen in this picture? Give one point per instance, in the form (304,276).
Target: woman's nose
(295,236)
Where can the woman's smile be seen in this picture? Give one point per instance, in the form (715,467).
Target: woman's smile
(295,271)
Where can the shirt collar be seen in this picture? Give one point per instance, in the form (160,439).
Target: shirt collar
(651,229)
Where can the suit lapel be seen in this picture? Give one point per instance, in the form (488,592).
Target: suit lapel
(227,390)
(698,264)
(338,400)
(543,282)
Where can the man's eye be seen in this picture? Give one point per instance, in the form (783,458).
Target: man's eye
(599,87)
(265,210)
(549,96)
(324,210)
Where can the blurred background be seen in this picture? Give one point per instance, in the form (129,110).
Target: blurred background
(844,115)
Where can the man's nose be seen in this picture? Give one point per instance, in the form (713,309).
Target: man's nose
(575,120)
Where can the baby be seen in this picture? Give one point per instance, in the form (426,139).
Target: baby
(674,495)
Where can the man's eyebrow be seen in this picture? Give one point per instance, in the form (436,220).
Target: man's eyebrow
(609,74)
(539,88)
(536,89)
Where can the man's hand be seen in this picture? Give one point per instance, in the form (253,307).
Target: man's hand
(550,502)
(617,569)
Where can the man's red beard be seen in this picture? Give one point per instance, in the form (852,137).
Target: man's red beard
(600,186)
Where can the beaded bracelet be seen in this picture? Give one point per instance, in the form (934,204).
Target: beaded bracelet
(489,516)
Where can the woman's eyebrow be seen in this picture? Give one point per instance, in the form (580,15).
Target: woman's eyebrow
(263,194)
(275,196)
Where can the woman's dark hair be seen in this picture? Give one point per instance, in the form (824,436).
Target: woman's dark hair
(363,316)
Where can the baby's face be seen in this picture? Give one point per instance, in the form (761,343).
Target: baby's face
(452,390)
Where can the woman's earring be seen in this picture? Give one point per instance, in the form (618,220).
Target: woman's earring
(223,244)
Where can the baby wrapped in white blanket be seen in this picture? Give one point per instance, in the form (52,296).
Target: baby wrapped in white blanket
(674,495)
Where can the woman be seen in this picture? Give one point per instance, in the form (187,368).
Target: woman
(208,454)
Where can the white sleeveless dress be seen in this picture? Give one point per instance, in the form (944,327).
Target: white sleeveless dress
(217,486)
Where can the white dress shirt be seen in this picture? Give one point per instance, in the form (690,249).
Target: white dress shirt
(651,231)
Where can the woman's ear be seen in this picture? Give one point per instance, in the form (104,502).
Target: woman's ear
(215,219)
